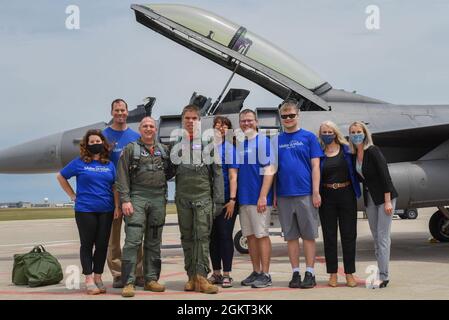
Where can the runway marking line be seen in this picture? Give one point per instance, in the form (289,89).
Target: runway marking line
(167,293)
(47,243)
(341,271)
(147,293)
(171,274)
(319,259)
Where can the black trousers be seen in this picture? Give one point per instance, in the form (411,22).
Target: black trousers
(94,229)
(221,245)
(339,210)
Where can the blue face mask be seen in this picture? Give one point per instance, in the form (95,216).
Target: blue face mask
(357,138)
(327,138)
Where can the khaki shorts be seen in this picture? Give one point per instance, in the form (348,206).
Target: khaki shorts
(253,222)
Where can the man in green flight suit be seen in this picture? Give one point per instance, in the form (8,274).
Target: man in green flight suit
(142,174)
(199,194)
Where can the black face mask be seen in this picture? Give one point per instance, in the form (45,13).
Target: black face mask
(95,148)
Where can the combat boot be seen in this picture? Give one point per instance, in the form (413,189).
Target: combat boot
(128,291)
(190,285)
(204,286)
(154,286)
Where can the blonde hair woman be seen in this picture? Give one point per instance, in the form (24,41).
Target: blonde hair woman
(339,188)
(378,192)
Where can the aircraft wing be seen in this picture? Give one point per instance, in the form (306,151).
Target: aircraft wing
(236,48)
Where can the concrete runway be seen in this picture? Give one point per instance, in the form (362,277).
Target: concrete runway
(419,269)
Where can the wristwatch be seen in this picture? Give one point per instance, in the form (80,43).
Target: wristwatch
(233,198)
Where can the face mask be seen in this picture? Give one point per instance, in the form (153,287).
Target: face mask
(95,148)
(357,138)
(327,138)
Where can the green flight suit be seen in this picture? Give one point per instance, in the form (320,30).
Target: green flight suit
(142,180)
(199,192)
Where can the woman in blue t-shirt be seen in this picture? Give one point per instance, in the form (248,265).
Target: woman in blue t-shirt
(96,204)
(221,244)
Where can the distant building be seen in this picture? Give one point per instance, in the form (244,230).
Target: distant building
(26,204)
(41,205)
(19,204)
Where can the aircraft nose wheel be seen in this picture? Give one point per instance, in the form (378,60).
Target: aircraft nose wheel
(241,243)
(411,213)
(439,226)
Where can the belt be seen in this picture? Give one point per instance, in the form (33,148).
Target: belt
(337,185)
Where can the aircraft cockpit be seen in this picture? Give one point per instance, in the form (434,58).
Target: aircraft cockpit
(237,49)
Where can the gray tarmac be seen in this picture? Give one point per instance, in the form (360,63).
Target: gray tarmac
(419,268)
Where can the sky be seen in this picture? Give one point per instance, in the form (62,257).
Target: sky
(54,79)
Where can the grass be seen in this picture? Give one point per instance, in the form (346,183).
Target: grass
(35,213)
(11,214)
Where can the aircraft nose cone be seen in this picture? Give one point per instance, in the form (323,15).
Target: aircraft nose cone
(37,156)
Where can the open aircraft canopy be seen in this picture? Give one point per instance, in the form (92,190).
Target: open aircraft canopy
(236,48)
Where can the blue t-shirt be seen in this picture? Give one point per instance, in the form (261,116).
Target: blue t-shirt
(295,151)
(94,182)
(119,140)
(252,156)
(228,161)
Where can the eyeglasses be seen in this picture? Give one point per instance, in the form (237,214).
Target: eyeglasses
(247,121)
(289,116)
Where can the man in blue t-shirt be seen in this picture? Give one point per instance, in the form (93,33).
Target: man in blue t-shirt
(119,135)
(297,191)
(255,177)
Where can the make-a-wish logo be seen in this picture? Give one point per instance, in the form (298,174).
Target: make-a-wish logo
(292,144)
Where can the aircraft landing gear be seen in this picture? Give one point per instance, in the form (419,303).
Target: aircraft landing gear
(439,225)
(410,213)
(241,243)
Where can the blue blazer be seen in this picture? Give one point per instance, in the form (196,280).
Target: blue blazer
(352,174)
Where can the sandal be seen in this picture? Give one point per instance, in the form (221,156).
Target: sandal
(227,282)
(215,278)
(92,289)
(101,286)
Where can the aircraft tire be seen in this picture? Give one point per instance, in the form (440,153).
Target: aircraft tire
(411,213)
(436,224)
(240,243)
